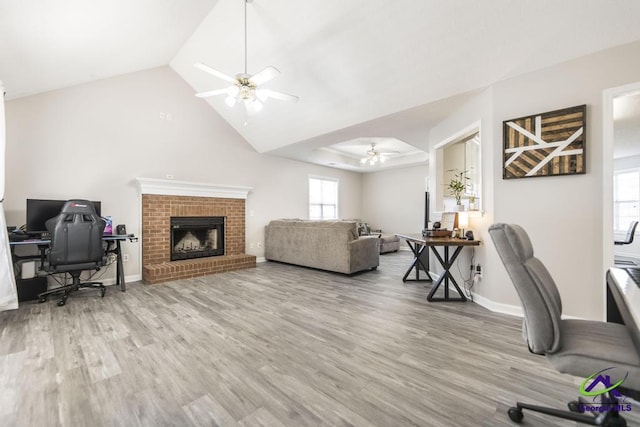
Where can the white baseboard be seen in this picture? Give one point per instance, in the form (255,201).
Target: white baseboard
(261,259)
(497,307)
(127,279)
(512,310)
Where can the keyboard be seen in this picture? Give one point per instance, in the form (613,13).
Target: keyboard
(634,273)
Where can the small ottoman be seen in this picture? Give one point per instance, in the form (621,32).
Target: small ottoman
(389,243)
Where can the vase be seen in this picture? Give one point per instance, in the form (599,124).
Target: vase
(458,208)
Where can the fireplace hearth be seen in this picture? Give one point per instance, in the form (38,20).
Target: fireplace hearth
(196,237)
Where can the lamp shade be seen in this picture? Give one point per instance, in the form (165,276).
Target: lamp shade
(463,220)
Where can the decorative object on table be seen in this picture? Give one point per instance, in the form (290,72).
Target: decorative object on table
(449,221)
(546,144)
(121,229)
(436,233)
(442,228)
(457,186)
(469,235)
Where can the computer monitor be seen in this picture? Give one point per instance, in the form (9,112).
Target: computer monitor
(40,210)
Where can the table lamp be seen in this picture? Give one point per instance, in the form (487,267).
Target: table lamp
(463,222)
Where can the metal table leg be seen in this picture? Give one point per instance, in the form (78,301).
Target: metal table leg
(417,251)
(446,276)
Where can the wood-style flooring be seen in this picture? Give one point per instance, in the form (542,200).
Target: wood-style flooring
(277,345)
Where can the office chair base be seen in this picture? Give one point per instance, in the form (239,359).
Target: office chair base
(68,289)
(610,418)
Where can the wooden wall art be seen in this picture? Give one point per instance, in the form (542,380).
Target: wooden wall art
(546,144)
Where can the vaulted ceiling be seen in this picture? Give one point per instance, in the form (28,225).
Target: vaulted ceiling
(354,64)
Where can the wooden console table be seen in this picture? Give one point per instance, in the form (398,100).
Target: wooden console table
(418,244)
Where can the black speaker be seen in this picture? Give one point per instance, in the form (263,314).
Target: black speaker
(121,229)
(469,235)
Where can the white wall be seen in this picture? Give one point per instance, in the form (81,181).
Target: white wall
(563,215)
(393,200)
(91,141)
(477,111)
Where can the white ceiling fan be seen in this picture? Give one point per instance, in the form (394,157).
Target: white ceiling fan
(246,87)
(374,156)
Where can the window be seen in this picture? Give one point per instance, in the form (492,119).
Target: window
(323,198)
(626,198)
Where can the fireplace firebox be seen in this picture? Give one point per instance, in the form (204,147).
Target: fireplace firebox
(196,237)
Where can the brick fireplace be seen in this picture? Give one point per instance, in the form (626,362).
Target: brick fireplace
(166,199)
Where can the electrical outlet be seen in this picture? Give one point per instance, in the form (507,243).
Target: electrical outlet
(250,245)
(479,271)
(125,257)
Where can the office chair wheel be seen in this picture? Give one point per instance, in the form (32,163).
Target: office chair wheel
(102,292)
(63,300)
(515,414)
(574,406)
(42,299)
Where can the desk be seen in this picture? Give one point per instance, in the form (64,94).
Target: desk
(623,302)
(113,247)
(418,244)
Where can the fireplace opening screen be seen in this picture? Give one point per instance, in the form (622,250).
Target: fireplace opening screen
(196,237)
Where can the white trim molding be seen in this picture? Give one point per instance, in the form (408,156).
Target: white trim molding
(169,187)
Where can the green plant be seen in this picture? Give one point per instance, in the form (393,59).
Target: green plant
(458,184)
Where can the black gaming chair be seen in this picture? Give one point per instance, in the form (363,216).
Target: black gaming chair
(76,245)
(631,232)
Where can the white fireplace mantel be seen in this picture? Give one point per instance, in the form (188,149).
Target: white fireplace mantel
(170,187)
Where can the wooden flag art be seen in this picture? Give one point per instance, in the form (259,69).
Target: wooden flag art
(546,144)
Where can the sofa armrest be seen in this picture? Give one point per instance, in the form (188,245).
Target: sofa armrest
(364,253)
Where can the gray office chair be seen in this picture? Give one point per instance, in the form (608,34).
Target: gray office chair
(76,246)
(576,347)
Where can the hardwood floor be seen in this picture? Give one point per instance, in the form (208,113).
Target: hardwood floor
(278,345)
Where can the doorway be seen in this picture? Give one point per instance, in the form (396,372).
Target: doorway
(621,156)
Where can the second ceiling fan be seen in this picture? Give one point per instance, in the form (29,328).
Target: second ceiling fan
(246,87)
(375,156)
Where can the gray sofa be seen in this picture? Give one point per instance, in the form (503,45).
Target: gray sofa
(327,245)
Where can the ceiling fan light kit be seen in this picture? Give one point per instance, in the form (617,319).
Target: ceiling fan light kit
(245,87)
(374,157)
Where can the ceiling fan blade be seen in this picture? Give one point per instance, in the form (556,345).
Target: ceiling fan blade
(268,93)
(264,75)
(212,93)
(214,72)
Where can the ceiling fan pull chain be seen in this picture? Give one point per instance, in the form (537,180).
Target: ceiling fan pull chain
(245,36)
